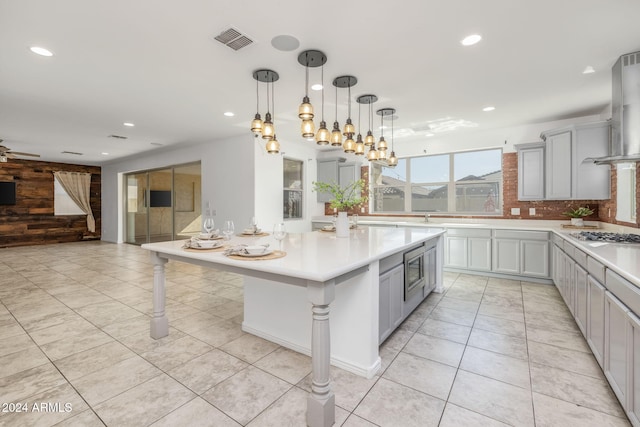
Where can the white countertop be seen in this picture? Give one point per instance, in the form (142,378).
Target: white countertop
(624,259)
(318,256)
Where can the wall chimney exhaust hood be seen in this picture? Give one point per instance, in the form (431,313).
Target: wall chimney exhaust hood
(624,144)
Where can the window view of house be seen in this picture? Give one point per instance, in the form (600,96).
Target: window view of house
(468,182)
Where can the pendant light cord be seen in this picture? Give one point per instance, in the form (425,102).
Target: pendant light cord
(257,96)
(382,124)
(391,132)
(359,119)
(306,80)
(322,82)
(336,103)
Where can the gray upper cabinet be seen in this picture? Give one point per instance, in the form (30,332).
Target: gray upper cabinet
(531,171)
(559,168)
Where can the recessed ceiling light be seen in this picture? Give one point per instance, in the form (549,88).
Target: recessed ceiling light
(316,86)
(285,43)
(471,40)
(129,124)
(229,114)
(429,134)
(105,154)
(41,51)
(588,70)
(489,108)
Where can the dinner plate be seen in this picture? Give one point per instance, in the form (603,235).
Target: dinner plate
(244,254)
(215,246)
(210,238)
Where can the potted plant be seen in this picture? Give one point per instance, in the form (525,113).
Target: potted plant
(578,214)
(343,199)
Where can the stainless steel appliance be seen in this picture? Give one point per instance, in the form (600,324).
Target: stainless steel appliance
(601,236)
(625,111)
(414,278)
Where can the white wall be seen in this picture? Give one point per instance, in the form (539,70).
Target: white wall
(228,177)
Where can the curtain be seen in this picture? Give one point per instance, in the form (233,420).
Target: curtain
(77,185)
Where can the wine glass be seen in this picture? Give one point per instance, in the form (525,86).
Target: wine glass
(228,230)
(279,233)
(208,225)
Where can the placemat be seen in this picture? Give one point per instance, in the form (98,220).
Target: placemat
(578,227)
(272,255)
(253,235)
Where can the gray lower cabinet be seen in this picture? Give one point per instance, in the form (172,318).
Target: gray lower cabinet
(391,299)
(581,294)
(615,345)
(522,253)
(468,249)
(633,371)
(595,319)
(430,260)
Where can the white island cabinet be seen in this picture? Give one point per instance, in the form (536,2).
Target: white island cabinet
(292,300)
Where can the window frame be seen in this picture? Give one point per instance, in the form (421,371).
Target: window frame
(451,185)
(299,191)
(61,199)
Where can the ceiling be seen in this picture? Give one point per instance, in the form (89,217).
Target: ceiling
(156,64)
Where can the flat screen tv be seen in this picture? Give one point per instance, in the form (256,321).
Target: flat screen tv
(7,193)
(160,199)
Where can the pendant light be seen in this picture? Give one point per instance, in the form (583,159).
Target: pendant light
(370,140)
(273,146)
(348,82)
(308,58)
(256,123)
(349,145)
(349,128)
(391,160)
(359,143)
(382,144)
(265,76)
(336,135)
(323,135)
(372,154)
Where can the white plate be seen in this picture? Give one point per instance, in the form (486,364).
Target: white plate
(250,232)
(215,246)
(267,252)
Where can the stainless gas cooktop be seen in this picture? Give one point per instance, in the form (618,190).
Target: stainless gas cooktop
(601,236)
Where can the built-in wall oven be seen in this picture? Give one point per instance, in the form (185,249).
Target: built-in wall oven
(414,268)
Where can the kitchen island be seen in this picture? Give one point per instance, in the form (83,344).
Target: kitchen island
(323,268)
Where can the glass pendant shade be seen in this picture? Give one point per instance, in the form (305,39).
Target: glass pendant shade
(372,154)
(349,128)
(323,134)
(349,145)
(359,146)
(382,155)
(256,124)
(268,130)
(369,139)
(392,161)
(336,136)
(305,111)
(382,144)
(273,146)
(308,129)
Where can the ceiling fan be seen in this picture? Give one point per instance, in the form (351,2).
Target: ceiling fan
(6,153)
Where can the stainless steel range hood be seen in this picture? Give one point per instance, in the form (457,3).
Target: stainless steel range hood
(624,144)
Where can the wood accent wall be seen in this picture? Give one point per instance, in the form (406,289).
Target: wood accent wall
(31,221)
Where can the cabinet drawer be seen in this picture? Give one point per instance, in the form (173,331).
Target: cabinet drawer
(624,290)
(580,257)
(469,232)
(557,240)
(568,248)
(522,235)
(596,269)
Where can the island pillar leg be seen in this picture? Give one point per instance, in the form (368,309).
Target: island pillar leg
(159,321)
(321,408)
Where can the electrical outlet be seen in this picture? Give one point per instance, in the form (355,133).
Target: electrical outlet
(532,211)
(515,211)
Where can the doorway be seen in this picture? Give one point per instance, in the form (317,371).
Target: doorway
(163,204)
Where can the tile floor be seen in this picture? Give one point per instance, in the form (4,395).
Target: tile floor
(74,328)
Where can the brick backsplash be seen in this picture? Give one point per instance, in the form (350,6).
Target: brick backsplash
(604,210)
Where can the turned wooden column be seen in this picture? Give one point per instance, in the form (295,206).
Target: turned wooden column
(321,411)
(159,321)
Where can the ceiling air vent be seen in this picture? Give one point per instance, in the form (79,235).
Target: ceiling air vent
(234,39)
(73,152)
(118,137)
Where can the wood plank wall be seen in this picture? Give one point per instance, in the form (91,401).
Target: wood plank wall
(31,221)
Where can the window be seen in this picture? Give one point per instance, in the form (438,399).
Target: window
(62,203)
(293,190)
(468,182)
